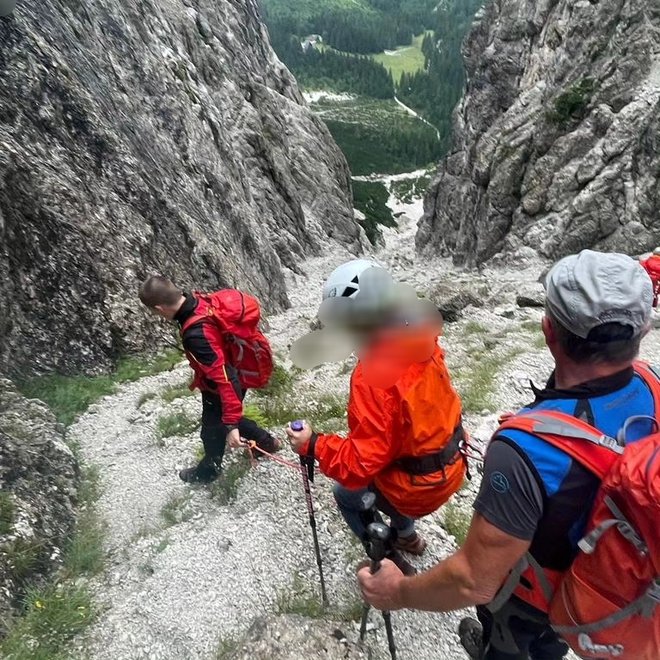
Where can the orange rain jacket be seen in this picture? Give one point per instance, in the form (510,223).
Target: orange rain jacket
(401,404)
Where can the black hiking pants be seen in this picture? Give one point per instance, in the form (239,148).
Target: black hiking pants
(514,633)
(214,432)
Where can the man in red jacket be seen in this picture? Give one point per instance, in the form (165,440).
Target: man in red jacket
(534,497)
(222,392)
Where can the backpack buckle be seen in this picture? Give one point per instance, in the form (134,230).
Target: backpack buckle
(651,599)
(610,443)
(654,591)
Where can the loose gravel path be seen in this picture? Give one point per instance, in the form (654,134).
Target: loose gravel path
(189,574)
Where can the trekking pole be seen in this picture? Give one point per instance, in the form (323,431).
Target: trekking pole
(368,515)
(380,539)
(307,469)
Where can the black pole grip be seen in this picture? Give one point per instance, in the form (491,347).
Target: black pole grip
(379,543)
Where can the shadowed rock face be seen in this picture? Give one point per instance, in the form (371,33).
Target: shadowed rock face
(556,138)
(38,492)
(141,137)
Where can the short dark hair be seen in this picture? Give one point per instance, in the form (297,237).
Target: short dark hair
(159,290)
(609,343)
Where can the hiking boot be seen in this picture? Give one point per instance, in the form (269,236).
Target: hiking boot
(271,445)
(204,472)
(471,634)
(404,566)
(414,544)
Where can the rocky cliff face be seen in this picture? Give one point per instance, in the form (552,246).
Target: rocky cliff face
(556,138)
(38,482)
(148,137)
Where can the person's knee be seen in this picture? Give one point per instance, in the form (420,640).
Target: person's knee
(347,498)
(213,434)
(337,491)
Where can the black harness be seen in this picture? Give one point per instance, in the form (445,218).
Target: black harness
(430,463)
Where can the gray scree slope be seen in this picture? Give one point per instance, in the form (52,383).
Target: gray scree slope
(555,145)
(148,136)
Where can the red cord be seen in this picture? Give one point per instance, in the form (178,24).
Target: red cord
(251,446)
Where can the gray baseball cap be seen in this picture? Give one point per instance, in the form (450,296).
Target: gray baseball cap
(591,288)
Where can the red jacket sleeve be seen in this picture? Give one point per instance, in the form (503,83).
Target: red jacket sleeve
(370,447)
(652,267)
(203,345)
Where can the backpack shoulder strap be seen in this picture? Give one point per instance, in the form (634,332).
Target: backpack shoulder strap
(650,374)
(196,318)
(581,441)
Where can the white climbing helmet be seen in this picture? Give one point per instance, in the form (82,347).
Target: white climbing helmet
(344,281)
(656,251)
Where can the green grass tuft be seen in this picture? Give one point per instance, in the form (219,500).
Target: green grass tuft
(302,599)
(176,392)
(53,616)
(350,611)
(531,326)
(327,408)
(255,413)
(55,613)
(161,545)
(84,553)
(176,510)
(176,424)
(225,488)
(476,384)
(69,396)
(539,341)
(474,328)
(535,328)
(144,397)
(7,512)
(298,599)
(281,382)
(456,522)
(227,648)
(572,103)
(23,557)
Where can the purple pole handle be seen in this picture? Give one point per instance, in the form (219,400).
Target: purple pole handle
(297,425)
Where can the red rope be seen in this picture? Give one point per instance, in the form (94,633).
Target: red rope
(251,445)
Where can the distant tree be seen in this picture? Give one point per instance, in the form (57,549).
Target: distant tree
(436,89)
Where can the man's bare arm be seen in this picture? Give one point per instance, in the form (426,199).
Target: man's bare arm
(471,576)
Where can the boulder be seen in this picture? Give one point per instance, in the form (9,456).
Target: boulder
(451,299)
(531,296)
(38,488)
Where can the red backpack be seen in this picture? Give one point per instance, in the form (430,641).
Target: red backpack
(237,316)
(606,604)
